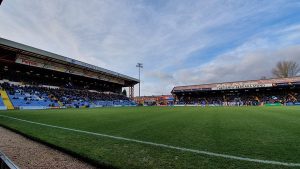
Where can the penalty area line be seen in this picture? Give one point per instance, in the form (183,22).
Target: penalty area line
(163,145)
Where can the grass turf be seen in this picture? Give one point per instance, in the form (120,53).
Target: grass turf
(266,133)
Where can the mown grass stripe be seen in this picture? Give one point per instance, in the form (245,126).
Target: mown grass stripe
(163,145)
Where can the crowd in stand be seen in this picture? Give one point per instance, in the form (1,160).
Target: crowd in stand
(84,97)
(69,97)
(54,97)
(245,100)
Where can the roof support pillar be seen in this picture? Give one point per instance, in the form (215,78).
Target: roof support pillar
(131,92)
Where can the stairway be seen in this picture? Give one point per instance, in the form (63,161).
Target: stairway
(6,100)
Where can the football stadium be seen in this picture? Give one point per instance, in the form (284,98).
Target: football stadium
(77,108)
(203,107)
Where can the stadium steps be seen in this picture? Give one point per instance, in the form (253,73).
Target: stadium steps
(6,100)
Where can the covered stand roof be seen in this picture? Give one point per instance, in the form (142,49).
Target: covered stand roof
(239,84)
(62,60)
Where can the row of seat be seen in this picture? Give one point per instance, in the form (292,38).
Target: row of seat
(29,96)
(1,102)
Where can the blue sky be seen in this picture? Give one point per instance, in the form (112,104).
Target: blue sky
(179,42)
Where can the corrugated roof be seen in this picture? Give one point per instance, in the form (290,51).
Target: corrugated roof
(68,60)
(214,85)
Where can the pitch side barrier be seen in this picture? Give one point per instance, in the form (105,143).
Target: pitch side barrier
(234,104)
(212,105)
(293,104)
(62,107)
(6,163)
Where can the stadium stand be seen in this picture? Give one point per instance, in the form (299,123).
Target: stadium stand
(31,78)
(281,91)
(1,101)
(34,97)
(2,106)
(29,96)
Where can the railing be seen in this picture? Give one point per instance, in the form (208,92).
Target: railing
(6,163)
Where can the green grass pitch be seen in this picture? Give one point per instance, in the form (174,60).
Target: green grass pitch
(265,133)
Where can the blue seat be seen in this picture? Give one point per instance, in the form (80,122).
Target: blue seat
(1,102)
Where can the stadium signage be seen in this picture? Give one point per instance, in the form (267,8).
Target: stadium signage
(240,86)
(30,61)
(297,103)
(26,61)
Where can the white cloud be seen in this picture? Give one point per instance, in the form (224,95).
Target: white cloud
(240,66)
(163,35)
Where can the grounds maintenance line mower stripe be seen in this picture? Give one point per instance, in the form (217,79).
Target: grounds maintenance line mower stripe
(163,145)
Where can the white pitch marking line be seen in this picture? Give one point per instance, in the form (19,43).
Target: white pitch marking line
(164,145)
